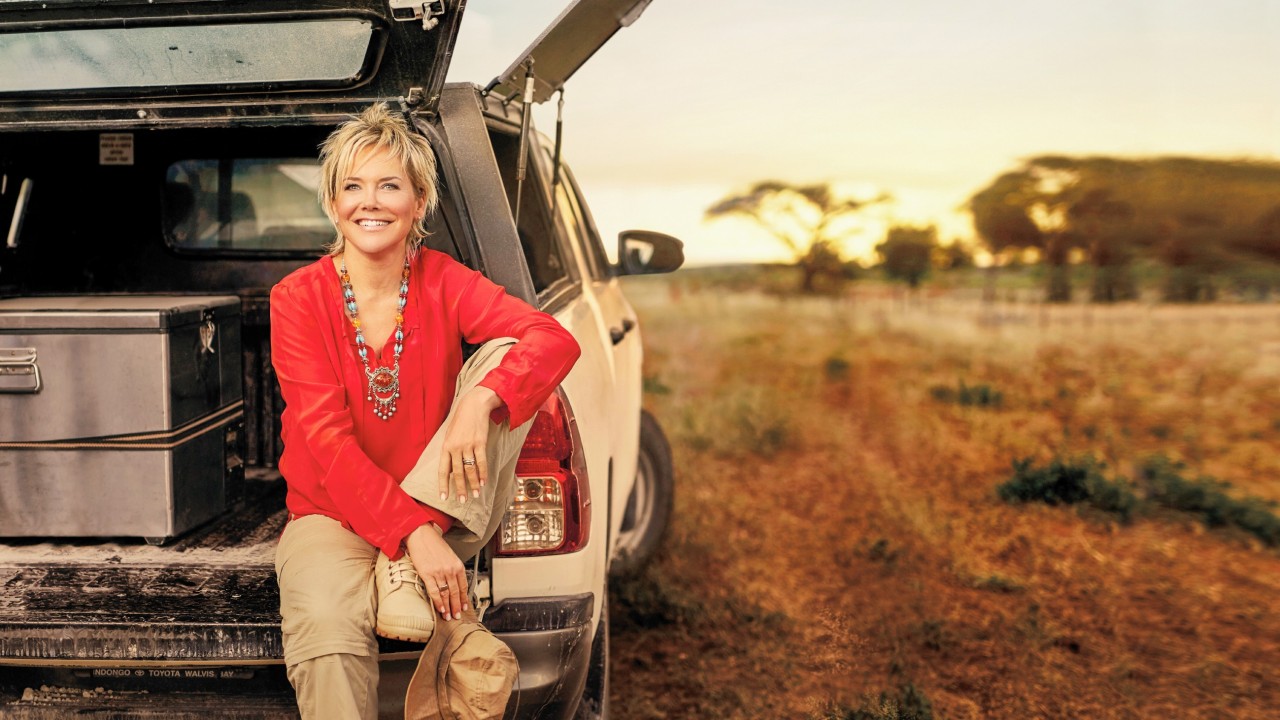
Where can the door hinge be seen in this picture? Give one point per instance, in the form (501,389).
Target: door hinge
(428,12)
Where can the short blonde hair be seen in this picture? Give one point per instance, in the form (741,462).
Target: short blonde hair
(378,127)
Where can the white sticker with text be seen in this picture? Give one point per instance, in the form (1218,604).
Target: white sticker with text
(115,149)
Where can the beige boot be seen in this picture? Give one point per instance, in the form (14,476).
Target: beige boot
(404,612)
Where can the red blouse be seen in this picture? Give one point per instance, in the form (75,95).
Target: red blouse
(342,461)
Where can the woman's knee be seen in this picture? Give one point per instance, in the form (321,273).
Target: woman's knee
(325,617)
(321,611)
(485,358)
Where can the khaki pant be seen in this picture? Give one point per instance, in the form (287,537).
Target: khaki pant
(328,600)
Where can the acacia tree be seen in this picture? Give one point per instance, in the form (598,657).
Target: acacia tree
(907,252)
(1002,217)
(1104,228)
(809,220)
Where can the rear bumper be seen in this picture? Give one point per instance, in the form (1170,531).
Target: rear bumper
(551,638)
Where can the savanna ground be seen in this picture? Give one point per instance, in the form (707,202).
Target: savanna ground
(839,548)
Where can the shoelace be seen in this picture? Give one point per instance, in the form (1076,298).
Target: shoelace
(402,571)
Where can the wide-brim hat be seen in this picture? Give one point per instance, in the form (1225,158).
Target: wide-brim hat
(465,673)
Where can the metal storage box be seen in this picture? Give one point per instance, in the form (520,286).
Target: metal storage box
(119,415)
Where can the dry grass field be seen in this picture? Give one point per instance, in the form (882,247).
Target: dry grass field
(839,547)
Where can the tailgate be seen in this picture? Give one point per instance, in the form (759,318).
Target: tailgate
(210,597)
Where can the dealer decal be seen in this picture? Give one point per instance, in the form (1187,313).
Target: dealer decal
(174,673)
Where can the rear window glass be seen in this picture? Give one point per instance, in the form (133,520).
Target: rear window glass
(183,56)
(245,204)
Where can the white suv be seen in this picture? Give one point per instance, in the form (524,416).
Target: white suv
(195,124)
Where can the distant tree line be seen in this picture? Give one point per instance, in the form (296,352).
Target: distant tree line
(1202,222)
(1198,219)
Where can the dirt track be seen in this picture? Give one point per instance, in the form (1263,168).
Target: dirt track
(839,550)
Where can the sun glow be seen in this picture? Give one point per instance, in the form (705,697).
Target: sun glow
(927,102)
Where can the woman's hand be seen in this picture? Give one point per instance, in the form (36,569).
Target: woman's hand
(440,570)
(464,459)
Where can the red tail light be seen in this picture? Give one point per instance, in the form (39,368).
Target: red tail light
(551,511)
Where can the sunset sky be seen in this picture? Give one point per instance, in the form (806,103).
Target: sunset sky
(925,100)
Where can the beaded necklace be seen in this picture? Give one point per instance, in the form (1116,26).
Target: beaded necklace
(384,382)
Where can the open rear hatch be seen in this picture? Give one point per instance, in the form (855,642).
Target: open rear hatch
(127,63)
(568,42)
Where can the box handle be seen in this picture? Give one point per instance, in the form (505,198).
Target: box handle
(19,372)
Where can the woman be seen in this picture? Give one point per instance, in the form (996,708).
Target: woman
(399,459)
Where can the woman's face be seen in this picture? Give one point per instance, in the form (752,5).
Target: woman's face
(376,205)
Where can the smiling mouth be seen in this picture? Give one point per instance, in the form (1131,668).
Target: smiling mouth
(373,224)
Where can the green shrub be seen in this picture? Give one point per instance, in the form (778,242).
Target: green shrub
(1114,496)
(980,396)
(983,395)
(1068,482)
(1162,484)
(883,551)
(1058,483)
(1165,486)
(836,368)
(943,393)
(1206,498)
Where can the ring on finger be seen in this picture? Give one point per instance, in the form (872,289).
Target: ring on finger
(444,586)
(468,461)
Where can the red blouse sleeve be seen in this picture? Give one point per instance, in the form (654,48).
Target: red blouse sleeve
(541,359)
(306,363)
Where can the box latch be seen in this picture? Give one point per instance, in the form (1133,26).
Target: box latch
(208,329)
(19,372)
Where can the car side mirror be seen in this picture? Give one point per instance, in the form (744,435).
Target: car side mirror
(644,252)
